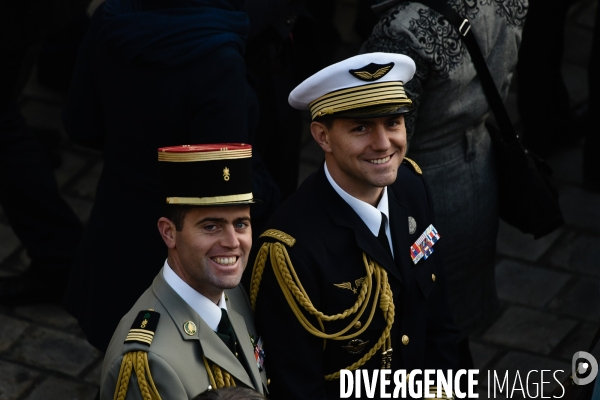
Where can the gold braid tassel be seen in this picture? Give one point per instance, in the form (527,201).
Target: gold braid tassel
(123,379)
(296,296)
(138,361)
(218,378)
(257,272)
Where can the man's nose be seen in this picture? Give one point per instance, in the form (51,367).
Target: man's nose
(229,238)
(381,141)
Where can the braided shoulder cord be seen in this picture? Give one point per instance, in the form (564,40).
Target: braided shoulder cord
(385,336)
(140,371)
(124,376)
(150,379)
(296,296)
(218,378)
(257,272)
(138,361)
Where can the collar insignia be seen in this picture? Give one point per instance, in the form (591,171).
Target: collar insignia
(190,328)
(372,72)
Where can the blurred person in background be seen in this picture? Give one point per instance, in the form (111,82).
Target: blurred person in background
(448,138)
(150,74)
(41,219)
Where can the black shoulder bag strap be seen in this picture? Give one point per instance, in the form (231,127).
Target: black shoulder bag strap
(508,136)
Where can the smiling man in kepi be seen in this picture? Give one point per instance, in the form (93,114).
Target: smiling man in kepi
(349,274)
(193,330)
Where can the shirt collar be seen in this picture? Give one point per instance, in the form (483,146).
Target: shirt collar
(370,215)
(206,309)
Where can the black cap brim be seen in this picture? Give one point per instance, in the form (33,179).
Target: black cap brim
(374,111)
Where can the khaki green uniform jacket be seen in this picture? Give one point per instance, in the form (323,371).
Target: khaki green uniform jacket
(175,357)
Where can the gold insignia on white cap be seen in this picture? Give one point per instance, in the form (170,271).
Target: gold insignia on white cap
(359,82)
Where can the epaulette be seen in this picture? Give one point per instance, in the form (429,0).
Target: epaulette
(142,331)
(279,235)
(143,327)
(416,167)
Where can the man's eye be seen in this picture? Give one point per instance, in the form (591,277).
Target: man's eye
(211,227)
(360,128)
(241,225)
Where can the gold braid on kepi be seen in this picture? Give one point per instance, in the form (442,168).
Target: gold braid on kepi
(376,281)
(142,331)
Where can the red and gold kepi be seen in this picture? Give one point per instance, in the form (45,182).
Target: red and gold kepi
(218,174)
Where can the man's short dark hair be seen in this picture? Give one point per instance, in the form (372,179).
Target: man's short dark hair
(176,214)
(230,393)
(326,120)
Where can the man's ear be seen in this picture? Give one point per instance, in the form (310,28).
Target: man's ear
(320,133)
(167,231)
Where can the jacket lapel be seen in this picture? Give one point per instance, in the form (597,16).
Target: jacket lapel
(212,346)
(343,215)
(247,356)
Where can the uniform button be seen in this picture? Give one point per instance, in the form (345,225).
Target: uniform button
(236,354)
(268,381)
(407,377)
(405,340)
(433,277)
(357,325)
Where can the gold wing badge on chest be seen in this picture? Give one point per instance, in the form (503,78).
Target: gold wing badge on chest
(348,285)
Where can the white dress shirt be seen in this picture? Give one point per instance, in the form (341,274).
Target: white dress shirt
(206,309)
(370,215)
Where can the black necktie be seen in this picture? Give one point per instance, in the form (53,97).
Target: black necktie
(225,331)
(382,237)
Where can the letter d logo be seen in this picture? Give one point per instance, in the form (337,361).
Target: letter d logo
(582,363)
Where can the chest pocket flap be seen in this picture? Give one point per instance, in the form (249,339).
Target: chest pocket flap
(425,274)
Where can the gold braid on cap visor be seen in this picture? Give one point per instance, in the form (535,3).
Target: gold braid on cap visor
(358,97)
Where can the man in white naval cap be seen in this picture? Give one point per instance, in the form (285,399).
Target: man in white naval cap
(349,274)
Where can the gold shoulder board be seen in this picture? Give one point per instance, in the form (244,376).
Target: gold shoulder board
(281,236)
(414,165)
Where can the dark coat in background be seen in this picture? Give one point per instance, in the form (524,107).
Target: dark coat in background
(330,240)
(447,134)
(129,108)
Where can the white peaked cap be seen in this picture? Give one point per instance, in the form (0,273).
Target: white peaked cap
(367,82)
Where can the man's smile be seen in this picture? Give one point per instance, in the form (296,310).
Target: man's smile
(381,160)
(225,260)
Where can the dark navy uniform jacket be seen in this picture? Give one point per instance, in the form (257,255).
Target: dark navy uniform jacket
(330,240)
